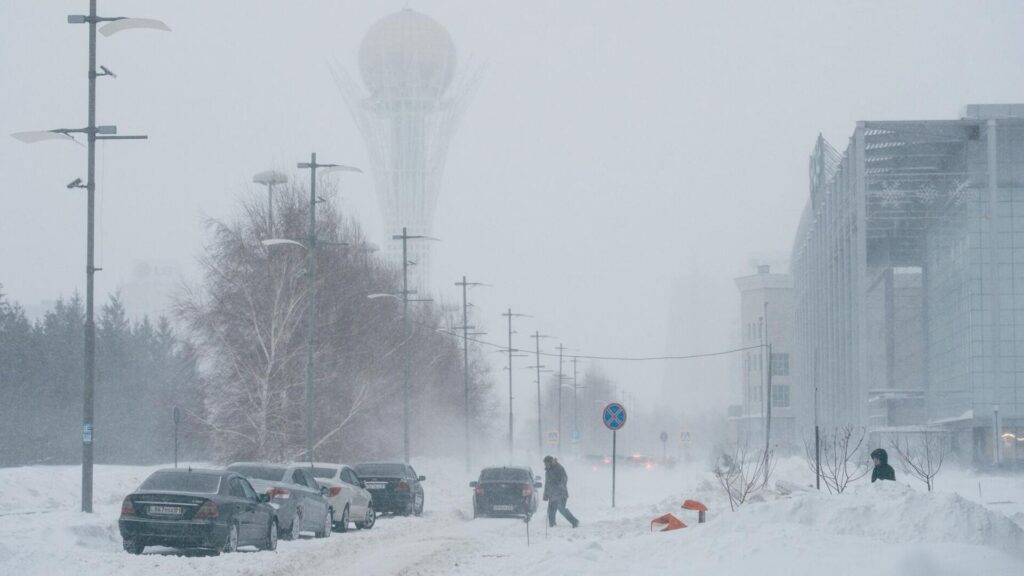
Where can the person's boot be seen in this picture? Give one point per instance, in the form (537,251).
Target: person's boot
(575,523)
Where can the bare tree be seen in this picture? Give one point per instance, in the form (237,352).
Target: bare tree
(839,457)
(742,473)
(922,456)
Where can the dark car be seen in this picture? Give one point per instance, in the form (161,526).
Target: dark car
(298,499)
(505,491)
(185,508)
(395,487)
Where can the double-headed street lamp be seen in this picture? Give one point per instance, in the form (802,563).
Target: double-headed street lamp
(111,25)
(466,285)
(405,237)
(310,247)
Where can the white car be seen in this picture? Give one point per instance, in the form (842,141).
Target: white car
(347,496)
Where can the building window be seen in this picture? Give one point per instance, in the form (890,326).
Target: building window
(780,364)
(780,396)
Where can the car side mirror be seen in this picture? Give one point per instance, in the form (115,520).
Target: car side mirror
(323,490)
(362,483)
(422,478)
(473,484)
(538,485)
(263,498)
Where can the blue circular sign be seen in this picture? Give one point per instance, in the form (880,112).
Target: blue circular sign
(614,416)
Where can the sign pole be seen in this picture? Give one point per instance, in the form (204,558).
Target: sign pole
(614,434)
(177,418)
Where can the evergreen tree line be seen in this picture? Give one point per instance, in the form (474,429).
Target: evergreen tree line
(142,371)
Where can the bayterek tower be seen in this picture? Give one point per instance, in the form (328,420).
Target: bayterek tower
(406,110)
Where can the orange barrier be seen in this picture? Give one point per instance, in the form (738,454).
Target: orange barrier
(669,522)
(699,507)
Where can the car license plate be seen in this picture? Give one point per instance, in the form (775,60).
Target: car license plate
(376,485)
(504,507)
(165,510)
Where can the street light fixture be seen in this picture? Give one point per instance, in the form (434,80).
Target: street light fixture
(93,133)
(270,178)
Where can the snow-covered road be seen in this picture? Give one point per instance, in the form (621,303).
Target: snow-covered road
(891,529)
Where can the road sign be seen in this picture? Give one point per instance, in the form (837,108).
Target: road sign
(614,416)
(664,437)
(684,437)
(87,433)
(551,437)
(576,436)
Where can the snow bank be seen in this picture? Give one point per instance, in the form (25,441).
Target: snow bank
(892,512)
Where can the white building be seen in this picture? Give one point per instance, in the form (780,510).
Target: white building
(766,319)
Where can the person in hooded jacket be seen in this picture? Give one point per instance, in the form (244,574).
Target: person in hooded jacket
(882,469)
(556,491)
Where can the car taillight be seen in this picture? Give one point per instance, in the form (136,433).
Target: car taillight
(334,491)
(527,491)
(208,510)
(479,490)
(127,507)
(278,493)
(403,486)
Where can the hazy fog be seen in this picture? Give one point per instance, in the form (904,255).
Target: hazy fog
(610,149)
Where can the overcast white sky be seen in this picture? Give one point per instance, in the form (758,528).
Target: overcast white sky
(611,147)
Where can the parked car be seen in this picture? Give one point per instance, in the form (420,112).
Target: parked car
(347,493)
(394,486)
(298,499)
(505,491)
(186,508)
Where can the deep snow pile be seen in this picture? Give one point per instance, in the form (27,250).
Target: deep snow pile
(892,512)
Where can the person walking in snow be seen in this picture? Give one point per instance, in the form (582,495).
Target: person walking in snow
(556,491)
(882,469)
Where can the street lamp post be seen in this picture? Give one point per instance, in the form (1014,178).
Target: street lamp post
(540,428)
(510,315)
(465,353)
(310,248)
(111,25)
(405,237)
(270,178)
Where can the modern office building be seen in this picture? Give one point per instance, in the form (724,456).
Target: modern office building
(407,110)
(908,297)
(767,323)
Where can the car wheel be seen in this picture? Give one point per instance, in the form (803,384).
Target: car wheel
(293,531)
(271,543)
(476,510)
(231,542)
(133,546)
(370,520)
(343,524)
(418,510)
(328,526)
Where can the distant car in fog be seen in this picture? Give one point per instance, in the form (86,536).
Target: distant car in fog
(394,486)
(185,508)
(505,491)
(299,500)
(633,460)
(347,495)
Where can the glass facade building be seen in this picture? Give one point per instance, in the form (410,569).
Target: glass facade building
(908,271)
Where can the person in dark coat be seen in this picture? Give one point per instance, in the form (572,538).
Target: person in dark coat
(556,491)
(882,469)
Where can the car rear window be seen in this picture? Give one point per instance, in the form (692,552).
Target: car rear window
(324,472)
(270,473)
(504,475)
(380,469)
(183,481)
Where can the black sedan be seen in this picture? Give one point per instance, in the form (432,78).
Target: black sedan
(395,487)
(505,491)
(186,508)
